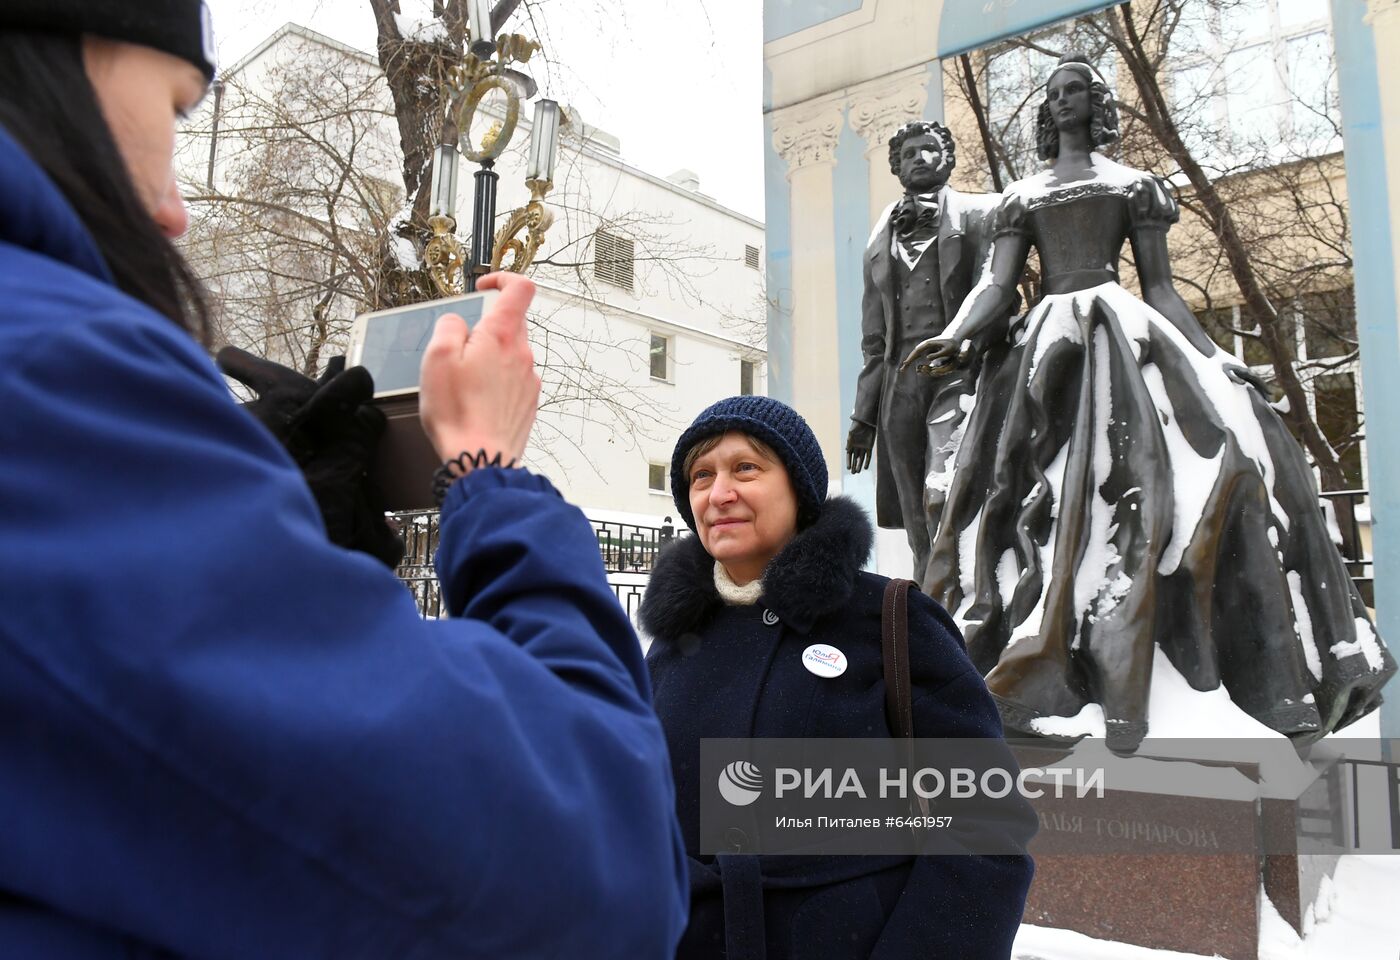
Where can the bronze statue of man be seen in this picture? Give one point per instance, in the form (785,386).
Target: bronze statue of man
(926,253)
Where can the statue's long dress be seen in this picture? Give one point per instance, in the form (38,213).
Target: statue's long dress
(1114,490)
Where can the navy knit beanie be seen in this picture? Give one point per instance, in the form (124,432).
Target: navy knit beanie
(178,27)
(776,424)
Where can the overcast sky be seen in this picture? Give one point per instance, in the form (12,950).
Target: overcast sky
(679,81)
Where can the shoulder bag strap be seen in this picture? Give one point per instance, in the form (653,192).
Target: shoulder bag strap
(894,639)
(899,699)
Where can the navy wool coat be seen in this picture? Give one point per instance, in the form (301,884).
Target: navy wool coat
(736,671)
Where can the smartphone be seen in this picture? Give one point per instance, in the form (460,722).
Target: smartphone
(390,345)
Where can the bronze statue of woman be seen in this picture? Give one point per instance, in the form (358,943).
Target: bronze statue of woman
(1122,484)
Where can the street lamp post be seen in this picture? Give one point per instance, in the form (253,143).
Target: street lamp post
(483,46)
(443,255)
(483,219)
(534,218)
(488,68)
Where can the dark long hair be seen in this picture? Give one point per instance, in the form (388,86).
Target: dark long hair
(1103,112)
(48,105)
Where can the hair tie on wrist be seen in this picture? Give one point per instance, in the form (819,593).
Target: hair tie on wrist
(461,465)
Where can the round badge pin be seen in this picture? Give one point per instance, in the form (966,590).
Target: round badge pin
(824,660)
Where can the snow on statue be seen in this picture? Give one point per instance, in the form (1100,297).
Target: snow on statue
(1122,484)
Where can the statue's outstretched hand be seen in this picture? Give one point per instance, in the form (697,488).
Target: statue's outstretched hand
(933,357)
(860,443)
(1244,375)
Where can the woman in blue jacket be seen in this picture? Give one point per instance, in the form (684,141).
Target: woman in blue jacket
(775,567)
(220,735)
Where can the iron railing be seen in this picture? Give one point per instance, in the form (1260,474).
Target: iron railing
(629,547)
(629,592)
(1391,771)
(1344,505)
(628,551)
(419,529)
(1339,812)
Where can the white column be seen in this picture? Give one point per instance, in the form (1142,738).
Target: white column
(878,109)
(805,137)
(1384,18)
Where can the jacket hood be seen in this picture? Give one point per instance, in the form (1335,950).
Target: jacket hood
(813,575)
(35,215)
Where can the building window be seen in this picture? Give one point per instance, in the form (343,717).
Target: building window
(613,257)
(1256,354)
(656,477)
(751,256)
(1329,324)
(1253,82)
(1219,326)
(660,357)
(1338,419)
(746,377)
(1319,330)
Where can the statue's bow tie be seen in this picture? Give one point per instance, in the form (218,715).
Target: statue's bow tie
(912,217)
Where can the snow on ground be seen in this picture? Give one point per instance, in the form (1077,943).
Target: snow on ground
(1047,943)
(1355,917)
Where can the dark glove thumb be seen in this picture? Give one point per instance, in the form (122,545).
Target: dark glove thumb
(334,367)
(262,375)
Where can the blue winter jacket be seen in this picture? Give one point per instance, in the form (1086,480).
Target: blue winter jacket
(221,736)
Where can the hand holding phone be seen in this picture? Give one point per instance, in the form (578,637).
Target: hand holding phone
(479,389)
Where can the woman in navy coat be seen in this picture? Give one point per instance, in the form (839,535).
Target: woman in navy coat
(775,566)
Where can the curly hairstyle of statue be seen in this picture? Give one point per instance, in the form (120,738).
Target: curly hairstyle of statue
(919,128)
(1103,115)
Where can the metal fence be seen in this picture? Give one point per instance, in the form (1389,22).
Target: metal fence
(419,529)
(628,551)
(1390,771)
(629,547)
(1346,506)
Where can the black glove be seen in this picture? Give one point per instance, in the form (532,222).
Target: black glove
(332,432)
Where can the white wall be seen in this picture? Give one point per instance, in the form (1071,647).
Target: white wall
(604,418)
(590,455)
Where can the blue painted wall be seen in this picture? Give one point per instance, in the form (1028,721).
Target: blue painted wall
(1375,312)
(778,238)
(970,24)
(784,17)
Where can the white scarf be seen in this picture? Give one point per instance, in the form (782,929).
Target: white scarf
(732,593)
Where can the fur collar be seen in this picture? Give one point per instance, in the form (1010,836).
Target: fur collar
(812,576)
